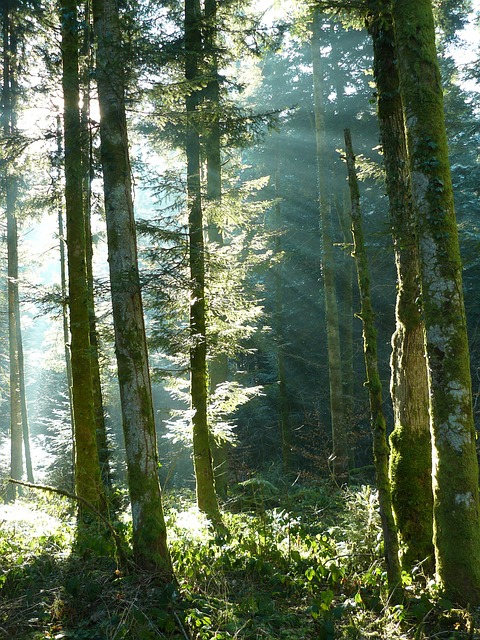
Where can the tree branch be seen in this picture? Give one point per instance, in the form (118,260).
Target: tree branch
(73,496)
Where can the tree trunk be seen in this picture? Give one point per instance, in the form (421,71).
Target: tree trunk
(454,460)
(63,289)
(379,429)
(16,432)
(346,310)
(149,531)
(87,161)
(87,470)
(218,365)
(23,391)
(21,361)
(202,457)
(284,412)
(18,411)
(340,454)
(411,454)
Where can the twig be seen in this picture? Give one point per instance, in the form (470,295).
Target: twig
(73,496)
(182,628)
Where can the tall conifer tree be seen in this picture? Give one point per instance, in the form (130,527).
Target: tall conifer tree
(87,469)
(149,530)
(202,457)
(19,430)
(339,433)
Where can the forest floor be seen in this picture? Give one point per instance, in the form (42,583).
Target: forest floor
(297,564)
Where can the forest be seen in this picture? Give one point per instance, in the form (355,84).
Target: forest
(239,328)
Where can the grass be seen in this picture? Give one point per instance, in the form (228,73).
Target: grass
(295,565)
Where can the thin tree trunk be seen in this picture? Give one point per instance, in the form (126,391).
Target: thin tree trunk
(23,393)
(21,361)
(345,282)
(379,429)
(149,530)
(212,93)
(87,469)
(411,452)
(346,310)
(18,414)
(202,457)
(454,461)
(16,432)
(340,454)
(101,430)
(285,425)
(64,292)
(218,365)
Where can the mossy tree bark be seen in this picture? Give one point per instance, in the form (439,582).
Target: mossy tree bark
(411,454)
(340,453)
(87,469)
(149,530)
(202,456)
(454,460)
(218,365)
(378,423)
(87,169)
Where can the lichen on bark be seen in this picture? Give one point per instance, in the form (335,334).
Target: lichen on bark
(410,457)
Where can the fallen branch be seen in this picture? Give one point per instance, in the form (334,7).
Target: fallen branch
(73,496)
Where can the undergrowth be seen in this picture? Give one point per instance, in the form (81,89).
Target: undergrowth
(297,564)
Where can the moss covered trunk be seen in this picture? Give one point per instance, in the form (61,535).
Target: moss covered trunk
(202,457)
(379,429)
(340,454)
(149,531)
(87,176)
(411,456)
(454,460)
(87,470)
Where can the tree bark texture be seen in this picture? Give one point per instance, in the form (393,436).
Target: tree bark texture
(87,469)
(340,454)
(202,457)
(87,162)
(149,530)
(411,456)
(454,460)
(379,428)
